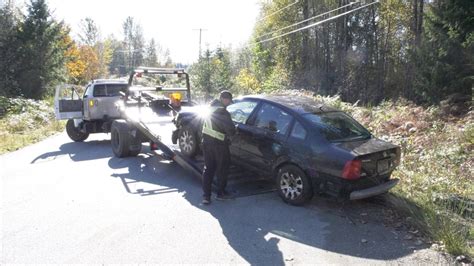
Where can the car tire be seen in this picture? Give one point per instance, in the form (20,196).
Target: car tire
(120,138)
(294,187)
(74,133)
(188,141)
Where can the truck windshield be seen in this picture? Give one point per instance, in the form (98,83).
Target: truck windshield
(338,126)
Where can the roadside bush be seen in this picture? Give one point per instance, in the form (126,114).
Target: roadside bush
(25,121)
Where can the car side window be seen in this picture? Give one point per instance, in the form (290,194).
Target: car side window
(298,131)
(241,111)
(272,118)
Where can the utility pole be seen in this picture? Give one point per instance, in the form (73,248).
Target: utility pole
(200,38)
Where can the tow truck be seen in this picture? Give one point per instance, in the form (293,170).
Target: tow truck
(134,111)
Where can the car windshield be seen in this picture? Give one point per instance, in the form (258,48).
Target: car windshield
(338,126)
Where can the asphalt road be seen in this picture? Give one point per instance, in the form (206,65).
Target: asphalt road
(65,202)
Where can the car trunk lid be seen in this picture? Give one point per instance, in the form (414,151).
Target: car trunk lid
(378,157)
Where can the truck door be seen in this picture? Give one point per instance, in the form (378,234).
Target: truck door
(67,102)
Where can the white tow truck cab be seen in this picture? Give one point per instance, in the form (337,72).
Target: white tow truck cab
(94,111)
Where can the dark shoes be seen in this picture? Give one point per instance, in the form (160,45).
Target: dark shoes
(206,201)
(223,196)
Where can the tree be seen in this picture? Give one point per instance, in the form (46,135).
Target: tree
(133,43)
(92,64)
(41,51)
(75,66)
(446,57)
(90,33)
(201,74)
(222,70)
(117,65)
(9,23)
(151,56)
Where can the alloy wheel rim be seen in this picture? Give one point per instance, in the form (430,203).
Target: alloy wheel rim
(186,141)
(291,185)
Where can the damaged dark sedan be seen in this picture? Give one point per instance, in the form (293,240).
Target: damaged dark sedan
(305,145)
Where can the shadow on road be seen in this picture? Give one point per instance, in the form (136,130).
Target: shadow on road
(254,230)
(79,151)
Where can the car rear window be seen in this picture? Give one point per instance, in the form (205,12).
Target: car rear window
(338,126)
(109,90)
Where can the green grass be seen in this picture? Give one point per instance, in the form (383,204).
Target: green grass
(24,122)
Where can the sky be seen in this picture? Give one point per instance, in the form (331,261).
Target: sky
(170,22)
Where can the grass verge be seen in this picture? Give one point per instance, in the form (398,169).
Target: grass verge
(24,122)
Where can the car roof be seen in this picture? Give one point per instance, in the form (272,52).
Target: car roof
(299,104)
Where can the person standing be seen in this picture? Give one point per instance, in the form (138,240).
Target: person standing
(216,132)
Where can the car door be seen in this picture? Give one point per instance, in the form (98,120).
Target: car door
(67,102)
(240,111)
(263,137)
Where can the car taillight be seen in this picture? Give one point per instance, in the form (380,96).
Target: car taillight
(352,170)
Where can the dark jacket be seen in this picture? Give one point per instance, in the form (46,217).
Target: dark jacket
(222,122)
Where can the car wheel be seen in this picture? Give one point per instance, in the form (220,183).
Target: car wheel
(120,138)
(74,133)
(188,142)
(294,187)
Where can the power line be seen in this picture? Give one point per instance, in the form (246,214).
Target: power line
(306,20)
(279,10)
(316,23)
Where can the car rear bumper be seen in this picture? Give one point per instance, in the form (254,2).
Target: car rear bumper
(373,191)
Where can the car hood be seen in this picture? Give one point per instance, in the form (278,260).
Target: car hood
(363,147)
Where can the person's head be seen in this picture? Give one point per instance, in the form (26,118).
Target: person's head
(225,98)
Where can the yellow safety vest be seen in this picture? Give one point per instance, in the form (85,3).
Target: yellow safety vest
(208,130)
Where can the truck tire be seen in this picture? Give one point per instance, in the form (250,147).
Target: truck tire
(188,141)
(135,146)
(294,187)
(120,138)
(74,133)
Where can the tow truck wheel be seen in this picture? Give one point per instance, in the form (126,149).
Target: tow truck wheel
(135,146)
(74,133)
(294,187)
(188,143)
(120,138)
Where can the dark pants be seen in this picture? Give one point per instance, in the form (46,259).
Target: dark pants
(216,162)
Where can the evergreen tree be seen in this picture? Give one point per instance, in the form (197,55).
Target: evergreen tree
(8,50)
(201,74)
(41,51)
(222,74)
(446,58)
